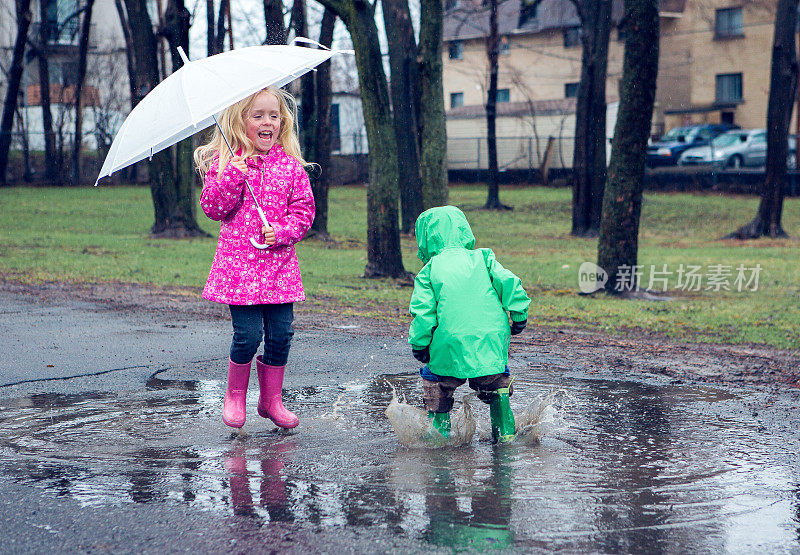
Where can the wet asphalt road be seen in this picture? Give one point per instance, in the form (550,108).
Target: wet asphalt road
(111,441)
(71,348)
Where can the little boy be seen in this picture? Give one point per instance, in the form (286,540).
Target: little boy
(460,327)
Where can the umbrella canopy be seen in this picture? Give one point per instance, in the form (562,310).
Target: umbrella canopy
(188,100)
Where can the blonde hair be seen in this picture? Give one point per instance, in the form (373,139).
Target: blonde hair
(232,122)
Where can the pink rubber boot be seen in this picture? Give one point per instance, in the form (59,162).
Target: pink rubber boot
(270,384)
(233,408)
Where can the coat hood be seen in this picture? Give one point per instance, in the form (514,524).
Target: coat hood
(442,227)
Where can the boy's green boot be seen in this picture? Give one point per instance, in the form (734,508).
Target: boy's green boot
(440,422)
(503,426)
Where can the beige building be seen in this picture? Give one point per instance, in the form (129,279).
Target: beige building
(713,67)
(715,63)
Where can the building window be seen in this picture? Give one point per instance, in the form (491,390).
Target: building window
(528,12)
(620,34)
(572,37)
(728,23)
(456,99)
(60,20)
(570,90)
(336,128)
(503,95)
(456,50)
(729,87)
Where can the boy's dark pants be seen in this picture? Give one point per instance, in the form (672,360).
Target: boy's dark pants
(438,396)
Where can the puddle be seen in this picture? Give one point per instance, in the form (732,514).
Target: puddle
(603,465)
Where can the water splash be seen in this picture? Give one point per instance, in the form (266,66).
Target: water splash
(540,417)
(413,427)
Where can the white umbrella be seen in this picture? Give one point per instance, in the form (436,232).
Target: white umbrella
(188,100)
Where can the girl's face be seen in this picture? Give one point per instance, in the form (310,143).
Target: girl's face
(263,122)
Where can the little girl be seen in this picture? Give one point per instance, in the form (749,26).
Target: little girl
(260,286)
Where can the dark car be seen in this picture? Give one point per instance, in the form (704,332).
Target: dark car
(667,150)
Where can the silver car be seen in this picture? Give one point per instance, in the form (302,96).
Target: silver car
(734,149)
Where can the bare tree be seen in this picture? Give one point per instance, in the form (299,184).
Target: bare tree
(177,21)
(23,13)
(618,246)
(42,49)
(782,92)
(108,108)
(83,50)
(172,217)
(493,55)
(211,36)
(432,121)
(320,120)
(405,107)
(483,16)
(384,258)
(224,15)
(589,154)
(273,19)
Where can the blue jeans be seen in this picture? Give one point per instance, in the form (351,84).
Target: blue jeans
(273,321)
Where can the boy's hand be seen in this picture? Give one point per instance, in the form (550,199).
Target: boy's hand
(422,355)
(517,327)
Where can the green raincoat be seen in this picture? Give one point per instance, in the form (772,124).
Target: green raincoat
(460,299)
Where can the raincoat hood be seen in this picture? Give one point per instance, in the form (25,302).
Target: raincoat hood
(440,228)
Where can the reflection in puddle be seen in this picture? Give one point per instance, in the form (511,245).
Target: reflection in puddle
(606,466)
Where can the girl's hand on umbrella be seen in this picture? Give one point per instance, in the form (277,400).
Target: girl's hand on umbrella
(269,235)
(239,164)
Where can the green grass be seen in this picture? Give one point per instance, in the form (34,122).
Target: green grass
(100,235)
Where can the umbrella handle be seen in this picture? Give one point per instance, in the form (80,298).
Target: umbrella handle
(256,244)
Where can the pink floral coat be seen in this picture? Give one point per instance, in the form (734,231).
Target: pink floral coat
(242,274)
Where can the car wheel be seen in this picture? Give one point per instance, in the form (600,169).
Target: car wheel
(735,162)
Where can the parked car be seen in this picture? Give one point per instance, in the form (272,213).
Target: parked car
(734,149)
(737,149)
(667,150)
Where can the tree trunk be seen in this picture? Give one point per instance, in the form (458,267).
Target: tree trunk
(493,54)
(131,171)
(618,245)
(211,37)
(384,258)
(782,90)
(52,166)
(219,44)
(405,95)
(320,182)
(126,33)
(14,79)
(183,219)
(432,121)
(589,155)
(307,93)
(83,50)
(168,221)
(273,17)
